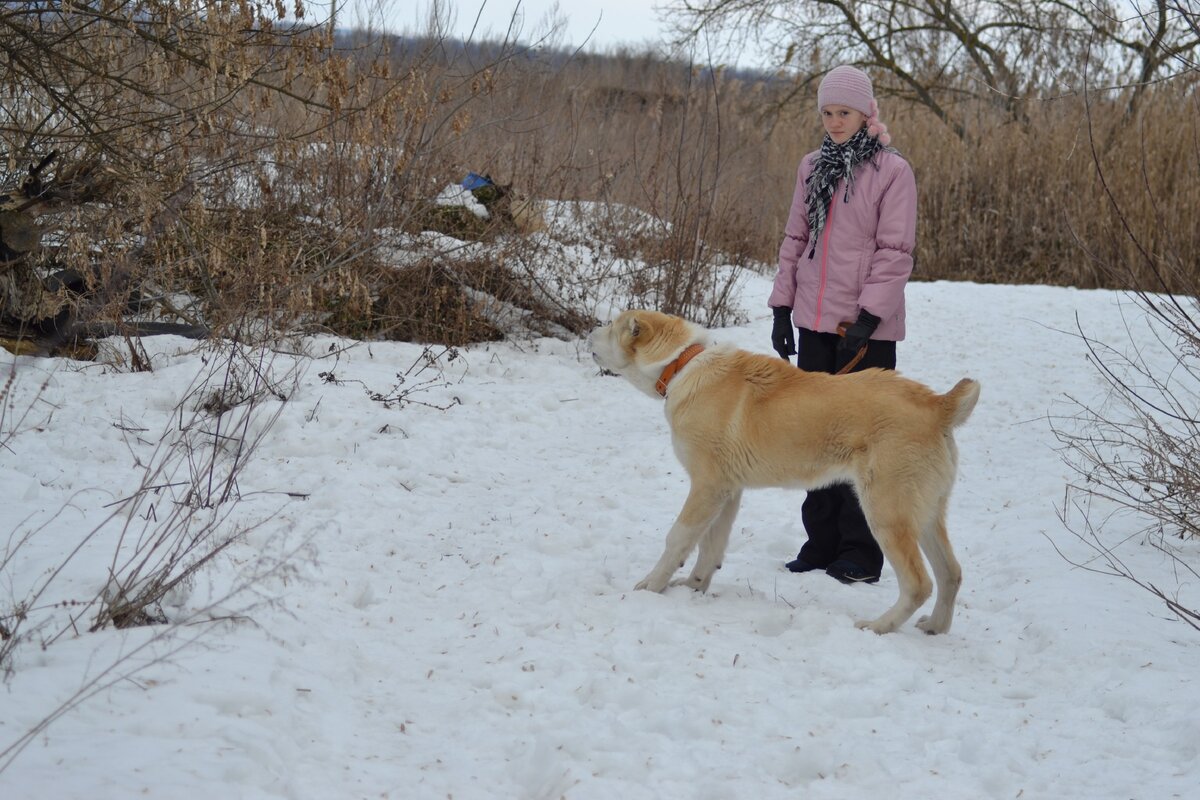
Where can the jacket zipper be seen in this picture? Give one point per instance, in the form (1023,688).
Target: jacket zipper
(828,230)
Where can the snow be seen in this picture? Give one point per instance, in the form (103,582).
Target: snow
(433,596)
(455,195)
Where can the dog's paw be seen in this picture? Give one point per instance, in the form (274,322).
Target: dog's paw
(926,624)
(651,583)
(879,626)
(694,582)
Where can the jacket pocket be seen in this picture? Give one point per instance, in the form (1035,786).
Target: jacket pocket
(864,265)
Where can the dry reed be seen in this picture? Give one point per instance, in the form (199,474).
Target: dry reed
(297,189)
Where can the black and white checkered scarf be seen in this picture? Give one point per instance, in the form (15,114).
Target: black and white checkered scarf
(835,162)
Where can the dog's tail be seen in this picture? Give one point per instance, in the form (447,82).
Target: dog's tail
(959,402)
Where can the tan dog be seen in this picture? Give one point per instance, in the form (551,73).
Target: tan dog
(742,420)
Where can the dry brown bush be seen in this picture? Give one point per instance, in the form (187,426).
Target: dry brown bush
(1008,203)
(261,181)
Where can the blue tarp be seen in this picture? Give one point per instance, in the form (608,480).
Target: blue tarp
(474,181)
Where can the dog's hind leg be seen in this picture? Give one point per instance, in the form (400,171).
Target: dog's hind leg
(701,509)
(897,534)
(712,546)
(946,572)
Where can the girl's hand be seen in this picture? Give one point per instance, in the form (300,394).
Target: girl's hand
(783,337)
(858,334)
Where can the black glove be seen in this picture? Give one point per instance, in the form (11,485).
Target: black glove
(783,336)
(859,333)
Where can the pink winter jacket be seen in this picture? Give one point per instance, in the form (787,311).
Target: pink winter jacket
(864,254)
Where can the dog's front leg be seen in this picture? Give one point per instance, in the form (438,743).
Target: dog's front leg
(700,510)
(712,546)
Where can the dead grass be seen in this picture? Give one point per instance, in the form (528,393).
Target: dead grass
(298,193)
(1010,204)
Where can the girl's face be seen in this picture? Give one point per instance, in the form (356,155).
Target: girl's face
(842,122)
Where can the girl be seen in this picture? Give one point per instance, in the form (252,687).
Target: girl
(845,258)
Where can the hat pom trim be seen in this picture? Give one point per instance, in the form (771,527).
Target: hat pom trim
(875,127)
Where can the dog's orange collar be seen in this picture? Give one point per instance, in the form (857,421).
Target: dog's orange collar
(689,352)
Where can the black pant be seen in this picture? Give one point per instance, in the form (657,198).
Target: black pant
(832,516)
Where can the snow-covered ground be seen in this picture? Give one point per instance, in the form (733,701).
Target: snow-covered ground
(455,615)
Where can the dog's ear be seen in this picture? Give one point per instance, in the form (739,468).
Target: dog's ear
(635,327)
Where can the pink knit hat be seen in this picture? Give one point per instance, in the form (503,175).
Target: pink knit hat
(851,87)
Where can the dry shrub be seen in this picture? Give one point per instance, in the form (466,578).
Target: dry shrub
(259,265)
(1136,455)
(658,136)
(1009,202)
(1137,216)
(289,150)
(307,154)
(423,303)
(712,158)
(992,208)
(1016,204)
(462,301)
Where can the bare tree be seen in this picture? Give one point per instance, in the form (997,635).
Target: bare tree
(938,52)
